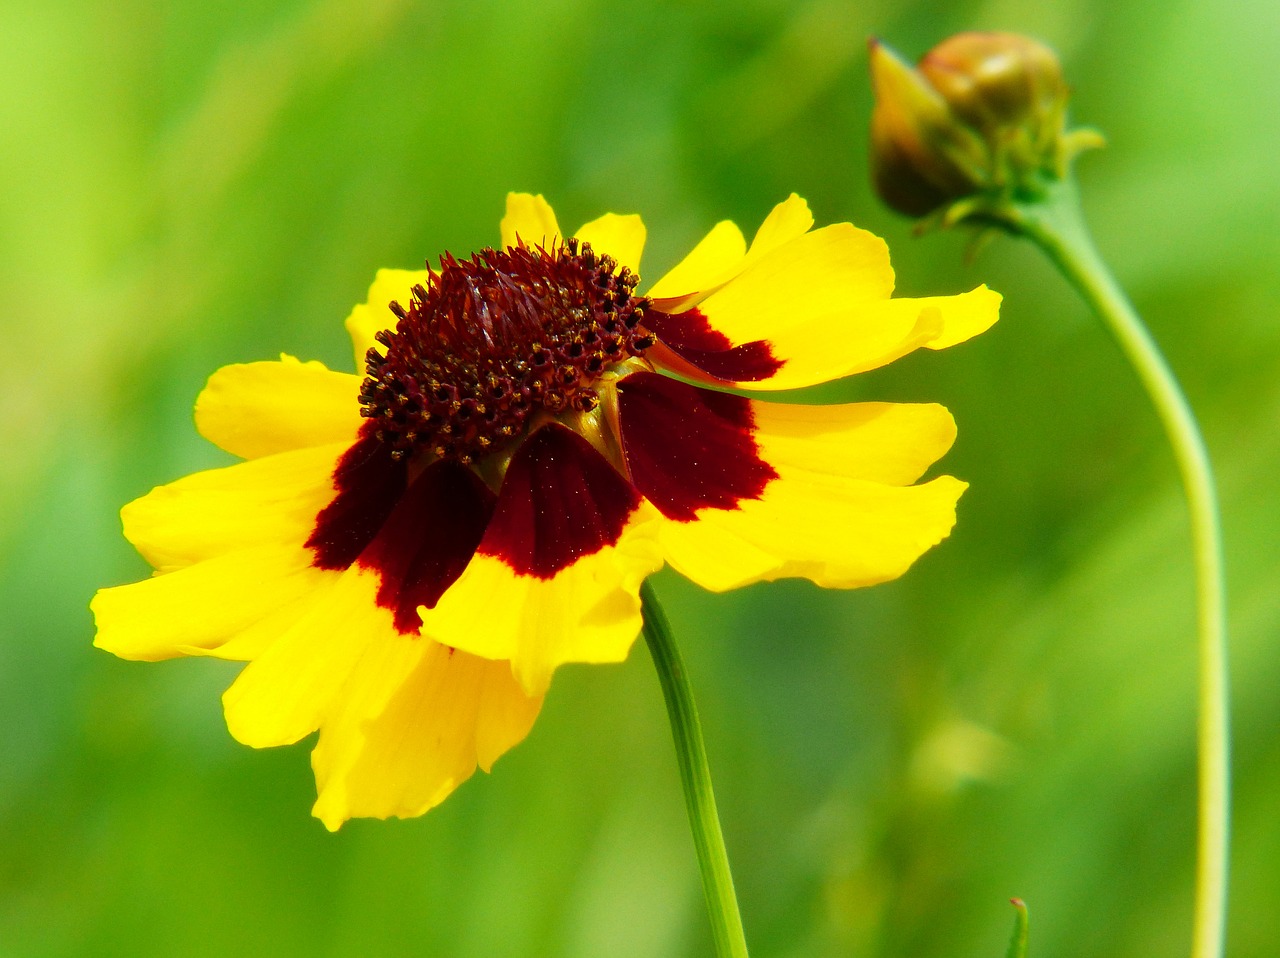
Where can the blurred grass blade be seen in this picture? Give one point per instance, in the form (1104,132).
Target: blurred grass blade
(1018,943)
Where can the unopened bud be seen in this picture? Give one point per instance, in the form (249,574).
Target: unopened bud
(981,113)
(995,80)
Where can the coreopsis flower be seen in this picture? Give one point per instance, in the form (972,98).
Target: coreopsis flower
(981,113)
(406,556)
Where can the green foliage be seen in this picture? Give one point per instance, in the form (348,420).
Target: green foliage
(191,184)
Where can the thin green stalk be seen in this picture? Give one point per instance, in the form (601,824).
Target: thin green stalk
(1021,930)
(691,753)
(1056,224)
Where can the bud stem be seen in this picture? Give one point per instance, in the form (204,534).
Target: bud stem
(1056,224)
(695,775)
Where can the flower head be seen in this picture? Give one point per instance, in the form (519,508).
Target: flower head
(405,557)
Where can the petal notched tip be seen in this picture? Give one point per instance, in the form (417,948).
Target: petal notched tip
(965,315)
(723,254)
(787,221)
(412,727)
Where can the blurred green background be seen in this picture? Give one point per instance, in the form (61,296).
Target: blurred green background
(191,184)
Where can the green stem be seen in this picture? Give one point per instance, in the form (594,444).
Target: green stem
(1057,226)
(700,799)
(1021,930)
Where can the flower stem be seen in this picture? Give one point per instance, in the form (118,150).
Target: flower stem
(700,800)
(1056,224)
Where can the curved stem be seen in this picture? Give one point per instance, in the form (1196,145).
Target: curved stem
(1057,226)
(691,753)
(1021,930)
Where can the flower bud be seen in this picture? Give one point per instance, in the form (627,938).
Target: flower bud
(981,113)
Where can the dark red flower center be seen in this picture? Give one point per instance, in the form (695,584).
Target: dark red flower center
(492,339)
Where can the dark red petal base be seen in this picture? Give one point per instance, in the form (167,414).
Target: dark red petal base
(689,448)
(692,338)
(561,500)
(418,538)
(369,483)
(428,540)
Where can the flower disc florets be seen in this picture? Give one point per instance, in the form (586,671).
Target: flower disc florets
(492,339)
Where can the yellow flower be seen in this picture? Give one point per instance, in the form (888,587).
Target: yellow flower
(405,558)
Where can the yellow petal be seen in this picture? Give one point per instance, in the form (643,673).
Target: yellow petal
(874,334)
(505,712)
(752,490)
(587,612)
(822,273)
(716,258)
(283,694)
(621,237)
(836,531)
(840,345)
(269,501)
(963,316)
(374,314)
(814,309)
(531,219)
(231,607)
(787,221)
(892,443)
(411,725)
(723,254)
(256,409)
(800,307)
